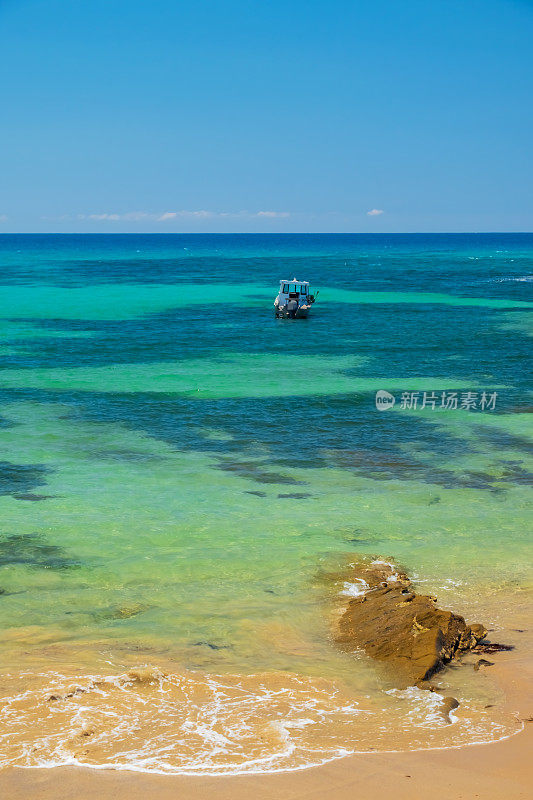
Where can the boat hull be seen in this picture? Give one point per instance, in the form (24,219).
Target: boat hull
(283,312)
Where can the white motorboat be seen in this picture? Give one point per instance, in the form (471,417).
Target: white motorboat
(294,300)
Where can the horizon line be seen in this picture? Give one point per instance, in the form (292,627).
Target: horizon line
(261,233)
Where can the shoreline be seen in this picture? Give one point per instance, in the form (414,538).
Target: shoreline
(489,771)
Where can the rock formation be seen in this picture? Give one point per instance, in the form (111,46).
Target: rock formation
(399,628)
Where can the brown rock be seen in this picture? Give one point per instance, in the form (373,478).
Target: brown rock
(448,705)
(493,647)
(414,639)
(483,663)
(478,631)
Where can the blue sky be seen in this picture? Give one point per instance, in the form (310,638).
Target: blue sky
(225,115)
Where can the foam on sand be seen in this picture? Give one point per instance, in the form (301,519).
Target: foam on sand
(191,723)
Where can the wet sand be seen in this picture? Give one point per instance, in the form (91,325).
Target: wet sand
(491,772)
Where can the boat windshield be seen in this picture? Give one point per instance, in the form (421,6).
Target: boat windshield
(294,288)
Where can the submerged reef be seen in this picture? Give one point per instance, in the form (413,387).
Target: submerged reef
(17,479)
(32,550)
(401,629)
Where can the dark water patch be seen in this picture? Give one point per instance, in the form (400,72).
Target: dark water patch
(212,645)
(21,478)
(414,341)
(50,326)
(32,550)
(514,472)
(394,465)
(296,495)
(340,431)
(389,462)
(257,494)
(477,479)
(33,351)
(124,454)
(250,470)
(356,536)
(34,498)
(356,541)
(501,440)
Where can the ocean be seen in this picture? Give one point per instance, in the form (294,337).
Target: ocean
(184,480)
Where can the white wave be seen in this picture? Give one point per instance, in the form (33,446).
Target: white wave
(355,588)
(450,583)
(514,279)
(196,724)
(425,708)
(395,576)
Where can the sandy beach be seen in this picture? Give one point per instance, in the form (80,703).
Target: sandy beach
(491,772)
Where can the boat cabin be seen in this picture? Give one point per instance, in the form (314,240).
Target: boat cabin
(293,290)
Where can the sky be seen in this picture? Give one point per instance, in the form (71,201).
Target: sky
(266,115)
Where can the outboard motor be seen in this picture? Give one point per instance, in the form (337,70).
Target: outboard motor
(292,307)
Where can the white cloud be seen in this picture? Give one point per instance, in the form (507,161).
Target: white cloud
(375,212)
(131,216)
(166,216)
(202,214)
(272,214)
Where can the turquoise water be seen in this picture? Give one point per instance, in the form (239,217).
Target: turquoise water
(180,471)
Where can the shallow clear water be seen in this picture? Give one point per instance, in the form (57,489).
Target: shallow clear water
(180,472)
